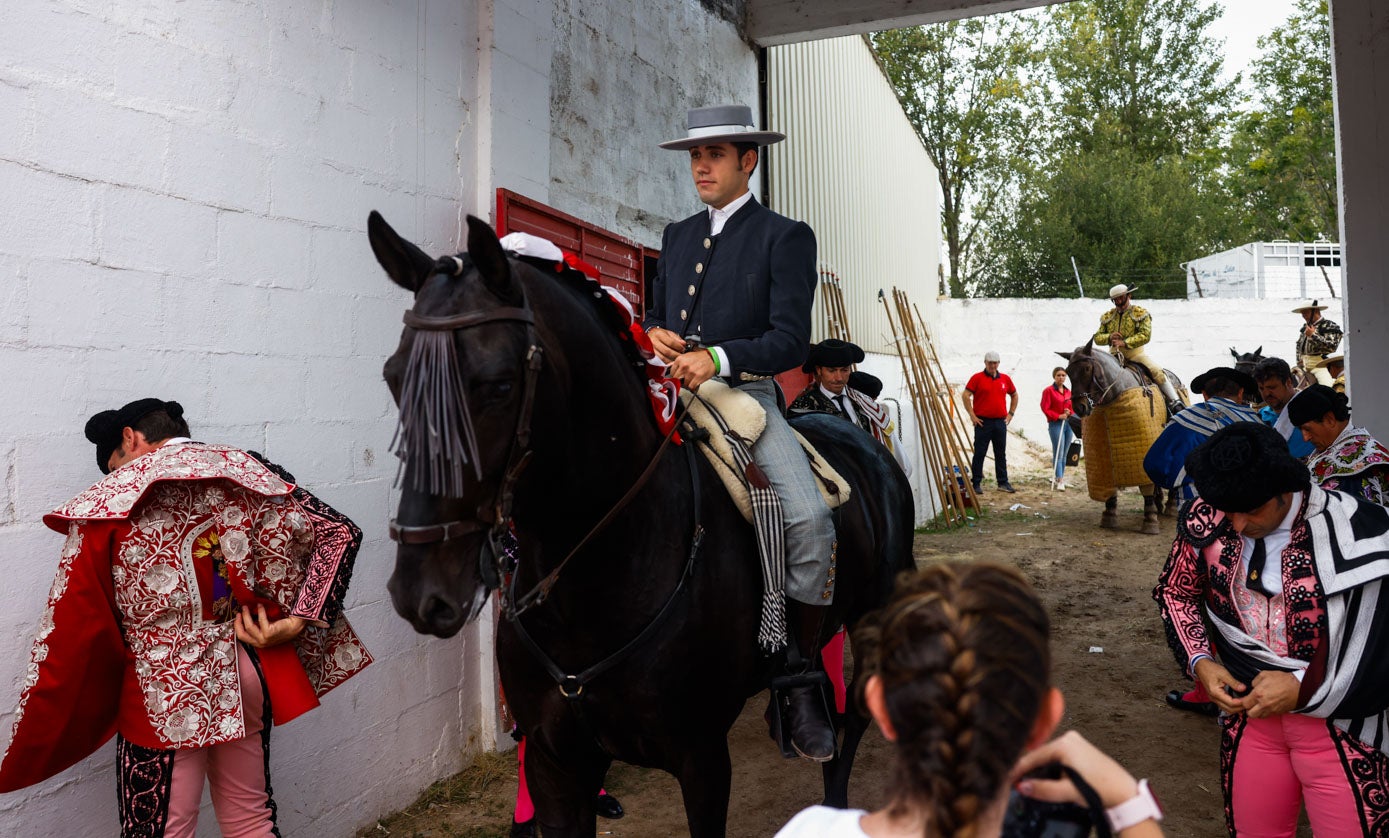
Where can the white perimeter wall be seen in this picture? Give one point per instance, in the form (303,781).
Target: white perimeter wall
(186,188)
(1189,337)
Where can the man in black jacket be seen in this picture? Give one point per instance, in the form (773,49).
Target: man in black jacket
(732,298)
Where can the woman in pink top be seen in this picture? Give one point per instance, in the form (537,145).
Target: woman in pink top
(1056,404)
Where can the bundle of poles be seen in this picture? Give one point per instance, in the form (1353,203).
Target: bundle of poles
(940,423)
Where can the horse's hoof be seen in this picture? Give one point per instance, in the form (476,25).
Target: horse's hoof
(1109,522)
(608,807)
(1150,527)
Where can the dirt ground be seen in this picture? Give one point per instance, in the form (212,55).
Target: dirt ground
(1111,661)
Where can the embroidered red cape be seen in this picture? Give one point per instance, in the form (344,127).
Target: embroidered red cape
(84,679)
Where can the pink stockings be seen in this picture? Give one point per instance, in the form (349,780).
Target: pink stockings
(1272,766)
(161,790)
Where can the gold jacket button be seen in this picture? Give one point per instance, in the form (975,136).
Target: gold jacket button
(684,315)
(699,269)
(708,244)
(692,290)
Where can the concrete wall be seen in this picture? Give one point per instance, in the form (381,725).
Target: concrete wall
(622,78)
(186,188)
(1360,69)
(1189,337)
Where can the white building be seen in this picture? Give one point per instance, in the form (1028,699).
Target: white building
(1268,270)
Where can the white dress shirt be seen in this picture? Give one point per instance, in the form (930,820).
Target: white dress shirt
(717,218)
(843,401)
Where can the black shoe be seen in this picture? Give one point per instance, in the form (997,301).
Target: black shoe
(1204,708)
(525,829)
(608,807)
(1007,487)
(979,490)
(811,733)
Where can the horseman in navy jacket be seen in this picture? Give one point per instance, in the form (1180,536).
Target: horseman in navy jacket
(732,298)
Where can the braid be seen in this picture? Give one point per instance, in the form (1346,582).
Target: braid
(961,652)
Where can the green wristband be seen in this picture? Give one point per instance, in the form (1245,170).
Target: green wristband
(715,356)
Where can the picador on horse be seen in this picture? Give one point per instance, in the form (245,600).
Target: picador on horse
(1126,329)
(732,298)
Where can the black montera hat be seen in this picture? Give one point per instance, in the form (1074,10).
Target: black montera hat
(1243,379)
(832,353)
(104,429)
(1312,404)
(1243,466)
(866,383)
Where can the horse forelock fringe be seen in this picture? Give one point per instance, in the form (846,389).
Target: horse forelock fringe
(434,438)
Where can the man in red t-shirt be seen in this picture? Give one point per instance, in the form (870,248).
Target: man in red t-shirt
(984,396)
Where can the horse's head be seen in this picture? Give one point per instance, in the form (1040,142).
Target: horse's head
(1091,374)
(464,377)
(1245,361)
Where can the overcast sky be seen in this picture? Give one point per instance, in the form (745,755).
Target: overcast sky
(1243,23)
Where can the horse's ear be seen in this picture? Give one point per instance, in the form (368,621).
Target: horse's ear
(1066,355)
(1234,354)
(405,263)
(490,261)
(1260,351)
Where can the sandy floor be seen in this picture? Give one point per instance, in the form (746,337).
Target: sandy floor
(1111,660)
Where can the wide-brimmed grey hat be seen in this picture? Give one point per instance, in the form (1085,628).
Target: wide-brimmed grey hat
(721,124)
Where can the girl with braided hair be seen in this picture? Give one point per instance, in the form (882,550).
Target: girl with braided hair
(957,668)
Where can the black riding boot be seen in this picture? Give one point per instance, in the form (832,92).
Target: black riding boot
(812,734)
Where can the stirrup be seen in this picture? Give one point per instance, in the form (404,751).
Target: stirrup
(779,705)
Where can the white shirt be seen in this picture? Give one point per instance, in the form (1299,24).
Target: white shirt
(824,822)
(1271,582)
(1274,543)
(717,218)
(846,403)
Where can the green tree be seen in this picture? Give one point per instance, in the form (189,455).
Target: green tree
(1142,74)
(1128,185)
(1282,155)
(964,86)
(1123,217)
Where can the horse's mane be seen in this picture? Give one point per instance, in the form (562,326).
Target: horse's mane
(594,297)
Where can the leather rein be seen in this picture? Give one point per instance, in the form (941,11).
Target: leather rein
(496,518)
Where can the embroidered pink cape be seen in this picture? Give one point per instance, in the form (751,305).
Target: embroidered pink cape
(136,636)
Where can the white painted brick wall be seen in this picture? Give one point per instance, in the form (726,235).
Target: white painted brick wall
(186,189)
(1189,337)
(621,84)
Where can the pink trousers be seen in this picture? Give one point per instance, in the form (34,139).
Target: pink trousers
(161,790)
(1273,766)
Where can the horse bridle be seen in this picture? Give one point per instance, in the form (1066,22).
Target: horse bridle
(496,516)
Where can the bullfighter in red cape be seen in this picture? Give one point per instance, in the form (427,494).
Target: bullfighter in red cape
(198,590)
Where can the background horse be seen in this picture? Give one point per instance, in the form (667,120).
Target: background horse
(1122,417)
(1245,362)
(658,612)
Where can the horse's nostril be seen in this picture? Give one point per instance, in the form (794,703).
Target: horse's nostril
(437,613)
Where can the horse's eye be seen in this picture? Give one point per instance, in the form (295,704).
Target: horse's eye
(495,390)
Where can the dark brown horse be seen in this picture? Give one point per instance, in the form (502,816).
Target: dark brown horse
(645,649)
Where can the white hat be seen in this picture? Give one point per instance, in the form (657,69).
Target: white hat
(1120,290)
(991,356)
(721,124)
(1312,306)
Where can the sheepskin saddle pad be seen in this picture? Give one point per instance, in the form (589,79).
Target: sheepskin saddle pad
(742,415)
